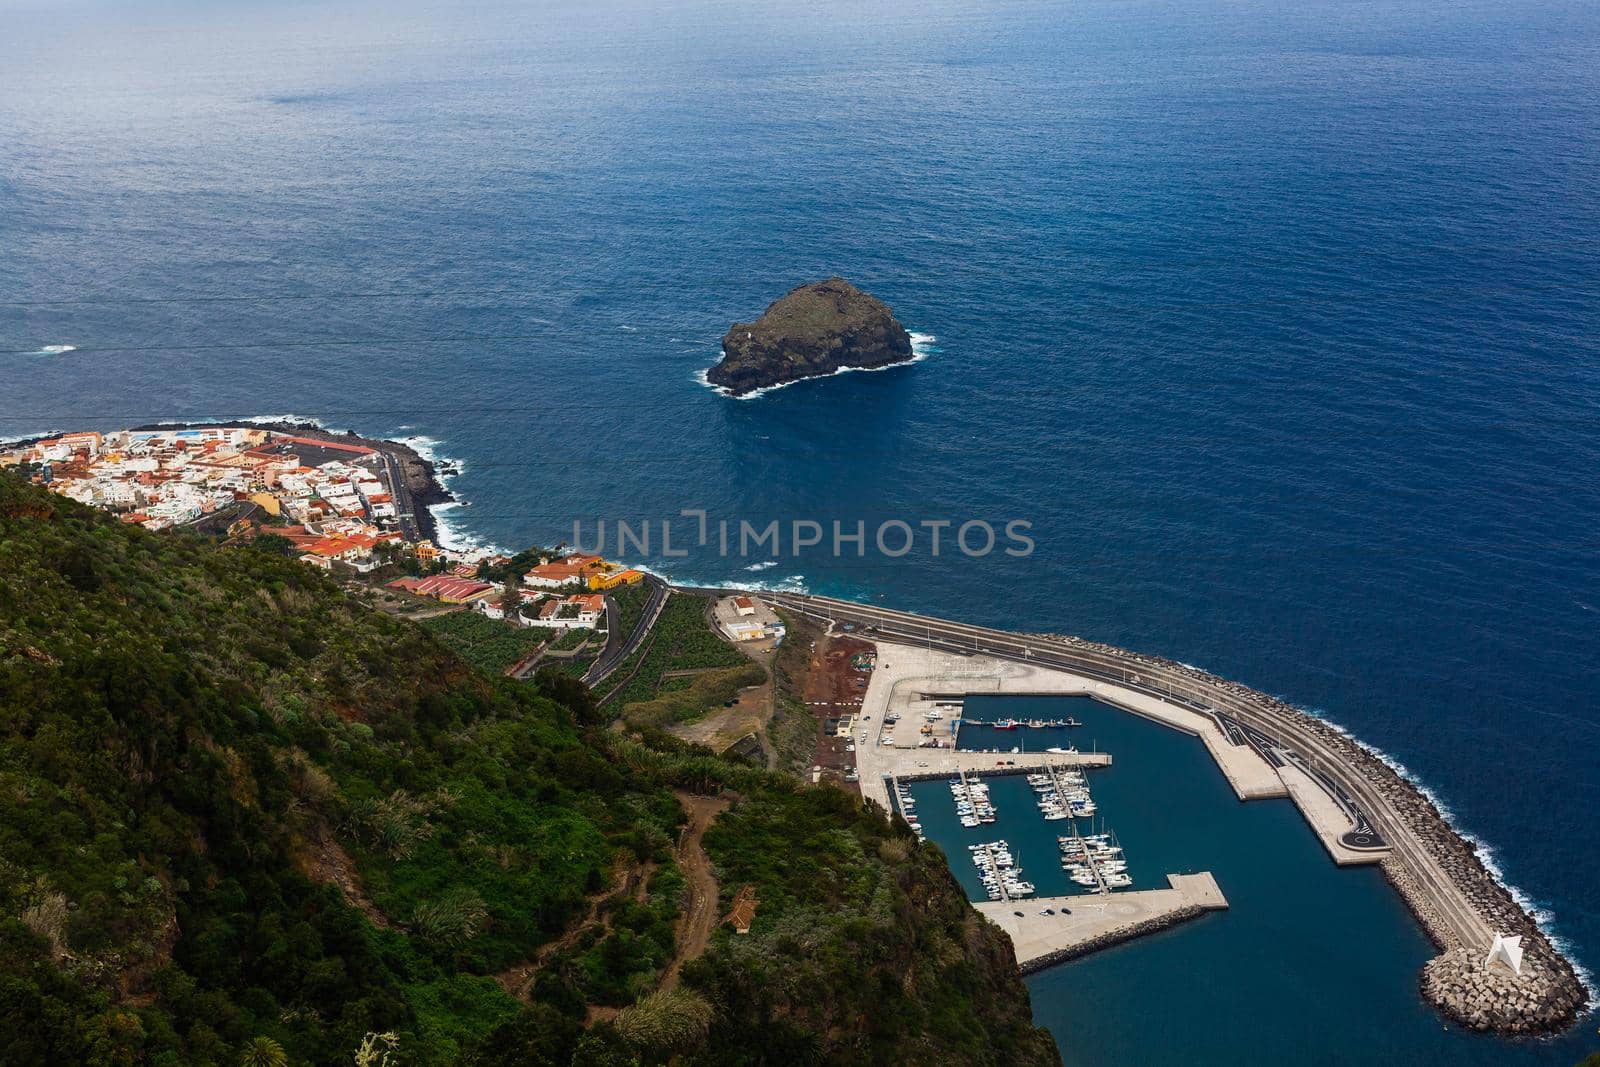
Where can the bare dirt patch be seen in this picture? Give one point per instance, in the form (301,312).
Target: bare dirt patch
(324,860)
(836,682)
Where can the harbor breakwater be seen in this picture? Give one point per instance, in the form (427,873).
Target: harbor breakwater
(1545,998)
(1458,901)
(1113,937)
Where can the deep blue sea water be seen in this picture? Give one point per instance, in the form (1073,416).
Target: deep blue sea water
(1278,322)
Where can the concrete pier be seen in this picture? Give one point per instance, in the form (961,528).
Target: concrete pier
(1268,748)
(1085,923)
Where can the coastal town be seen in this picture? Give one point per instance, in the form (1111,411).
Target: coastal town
(338,505)
(874,701)
(336,502)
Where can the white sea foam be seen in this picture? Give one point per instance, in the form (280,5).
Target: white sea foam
(250,420)
(450,525)
(18,438)
(922,346)
(452,533)
(261,420)
(428,449)
(764,565)
(795,583)
(1543,917)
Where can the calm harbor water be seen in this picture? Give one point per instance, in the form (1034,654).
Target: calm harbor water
(1335,946)
(1279,322)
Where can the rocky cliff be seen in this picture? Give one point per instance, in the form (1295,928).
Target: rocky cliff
(811,331)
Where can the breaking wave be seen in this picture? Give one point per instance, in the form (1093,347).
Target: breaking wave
(450,526)
(922,346)
(1543,917)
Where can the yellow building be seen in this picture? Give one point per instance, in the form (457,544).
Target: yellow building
(610,579)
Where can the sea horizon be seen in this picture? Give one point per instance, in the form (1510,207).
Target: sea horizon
(1278,326)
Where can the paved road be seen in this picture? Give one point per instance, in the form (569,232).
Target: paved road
(618,650)
(404,505)
(1278,731)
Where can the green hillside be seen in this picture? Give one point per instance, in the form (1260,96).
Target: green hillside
(242,816)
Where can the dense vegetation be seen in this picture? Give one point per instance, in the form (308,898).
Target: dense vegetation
(793,728)
(488,644)
(241,815)
(630,601)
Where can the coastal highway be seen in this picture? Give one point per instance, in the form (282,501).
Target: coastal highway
(1459,919)
(618,650)
(404,504)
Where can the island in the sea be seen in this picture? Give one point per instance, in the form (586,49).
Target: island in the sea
(815,330)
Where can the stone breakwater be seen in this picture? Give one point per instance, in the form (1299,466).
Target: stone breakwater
(1545,998)
(1441,877)
(1112,937)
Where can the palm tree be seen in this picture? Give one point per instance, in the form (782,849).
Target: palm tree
(263,1052)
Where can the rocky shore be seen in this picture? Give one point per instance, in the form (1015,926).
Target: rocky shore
(1545,998)
(809,332)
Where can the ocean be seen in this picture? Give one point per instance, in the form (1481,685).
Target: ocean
(1278,323)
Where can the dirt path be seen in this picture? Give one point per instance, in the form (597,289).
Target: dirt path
(700,910)
(625,875)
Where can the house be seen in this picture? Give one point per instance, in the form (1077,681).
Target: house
(578,611)
(745,631)
(490,608)
(589,607)
(743,912)
(267,502)
(615,575)
(355,550)
(572,570)
(445,588)
(744,605)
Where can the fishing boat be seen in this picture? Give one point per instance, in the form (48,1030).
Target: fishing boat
(1005,724)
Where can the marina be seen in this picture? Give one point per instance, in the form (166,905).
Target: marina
(1353,802)
(1002,878)
(971,795)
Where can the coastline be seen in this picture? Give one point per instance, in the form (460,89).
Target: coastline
(1456,898)
(1454,982)
(922,346)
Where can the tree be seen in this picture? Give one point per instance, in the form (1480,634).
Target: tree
(570,693)
(375,1050)
(263,1052)
(274,544)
